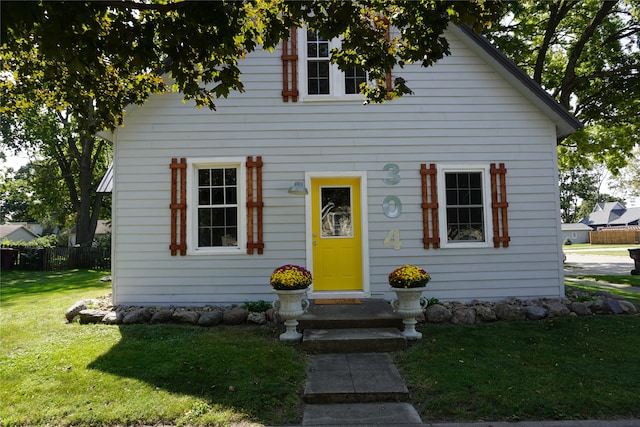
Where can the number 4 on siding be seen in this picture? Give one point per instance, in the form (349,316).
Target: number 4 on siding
(393,239)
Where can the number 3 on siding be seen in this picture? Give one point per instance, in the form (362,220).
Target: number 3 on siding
(394,176)
(393,239)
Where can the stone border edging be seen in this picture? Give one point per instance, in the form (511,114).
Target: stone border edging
(577,303)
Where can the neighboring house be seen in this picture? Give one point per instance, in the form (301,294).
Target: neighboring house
(576,233)
(612,214)
(204,206)
(16,233)
(103,228)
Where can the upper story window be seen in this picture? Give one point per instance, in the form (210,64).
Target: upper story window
(323,79)
(465,207)
(318,64)
(215,191)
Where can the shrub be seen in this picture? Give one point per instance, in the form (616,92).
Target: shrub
(256,306)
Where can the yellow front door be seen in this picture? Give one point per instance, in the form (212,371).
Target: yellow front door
(337,234)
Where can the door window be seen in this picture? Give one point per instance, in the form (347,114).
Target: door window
(335,214)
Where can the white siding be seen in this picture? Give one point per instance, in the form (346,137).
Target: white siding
(462,112)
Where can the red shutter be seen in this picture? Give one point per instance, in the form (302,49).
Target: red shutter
(430,206)
(254,205)
(178,206)
(388,77)
(499,205)
(290,67)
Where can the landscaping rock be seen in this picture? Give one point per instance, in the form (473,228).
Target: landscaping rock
(437,313)
(257,318)
(210,318)
(580,308)
(75,310)
(465,316)
(485,313)
(598,306)
(506,311)
(91,315)
(273,316)
(185,316)
(163,315)
(140,315)
(628,307)
(113,318)
(614,306)
(556,309)
(534,312)
(235,316)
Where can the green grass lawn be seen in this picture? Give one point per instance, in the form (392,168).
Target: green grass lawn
(610,278)
(563,368)
(569,368)
(54,373)
(611,250)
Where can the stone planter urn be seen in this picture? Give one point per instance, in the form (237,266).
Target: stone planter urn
(409,305)
(290,305)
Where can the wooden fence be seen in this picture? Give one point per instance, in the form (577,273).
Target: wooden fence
(55,259)
(613,236)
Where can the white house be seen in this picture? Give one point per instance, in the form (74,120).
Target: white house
(576,233)
(17,232)
(459,178)
(103,229)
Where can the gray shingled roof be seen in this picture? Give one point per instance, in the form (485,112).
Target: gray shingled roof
(612,214)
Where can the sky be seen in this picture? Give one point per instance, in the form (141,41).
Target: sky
(14,161)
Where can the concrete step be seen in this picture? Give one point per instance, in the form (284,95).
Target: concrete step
(353,340)
(368,313)
(354,378)
(362,414)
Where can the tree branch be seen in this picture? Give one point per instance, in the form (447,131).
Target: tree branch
(557,12)
(568,81)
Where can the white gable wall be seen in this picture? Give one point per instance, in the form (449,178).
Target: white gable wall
(462,112)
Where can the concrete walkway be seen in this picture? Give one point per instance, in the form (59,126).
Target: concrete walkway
(346,379)
(366,389)
(356,389)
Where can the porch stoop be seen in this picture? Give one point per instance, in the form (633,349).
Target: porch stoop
(369,326)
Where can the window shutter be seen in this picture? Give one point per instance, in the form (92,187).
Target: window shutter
(499,205)
(254,205)
(290,67)
(178,206)
(430,206)
(388,78)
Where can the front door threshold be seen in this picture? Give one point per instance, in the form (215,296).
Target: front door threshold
(338,295)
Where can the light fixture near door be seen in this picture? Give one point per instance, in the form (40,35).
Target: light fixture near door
(299,189)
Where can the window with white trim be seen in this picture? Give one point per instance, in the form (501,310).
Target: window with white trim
(465,206)
(216,203)
(322,79)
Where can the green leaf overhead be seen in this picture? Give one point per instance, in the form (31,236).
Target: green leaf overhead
(107,53)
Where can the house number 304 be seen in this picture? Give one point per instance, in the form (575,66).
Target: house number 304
(391,205)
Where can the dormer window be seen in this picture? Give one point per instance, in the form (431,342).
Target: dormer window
(318,64)
(324,80)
